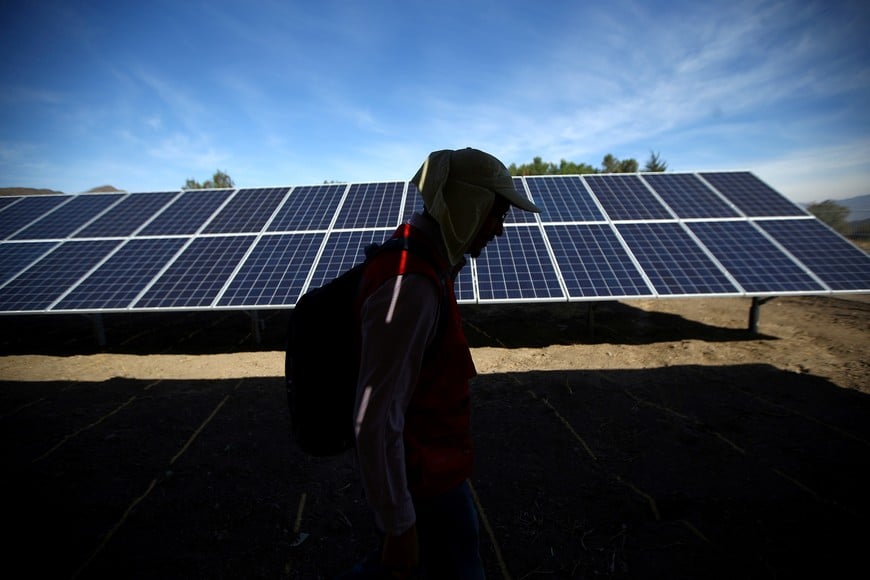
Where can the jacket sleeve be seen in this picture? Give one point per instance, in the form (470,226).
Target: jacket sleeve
(398,322)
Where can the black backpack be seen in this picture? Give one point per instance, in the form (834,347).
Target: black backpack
(322,362)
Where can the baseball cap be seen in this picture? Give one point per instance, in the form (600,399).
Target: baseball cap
(479,168)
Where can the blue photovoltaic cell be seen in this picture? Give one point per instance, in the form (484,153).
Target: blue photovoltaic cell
(371,205)
(672,260)
(756,263)
(127,216)
(688,197)
(625,197)
(198,274)
(308,208)
(48,279)
(594,263)
(413,202)
(516,215)
(751,195)
(838,263)
(247,212)
(122,277)
(19,215)
(6,201)
(563,199)
(187,213)
(275,271)
(516,266)
(68,218)
(463,285)
(344,250)
(14,257)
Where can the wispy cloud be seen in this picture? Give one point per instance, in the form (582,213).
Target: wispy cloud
(180,102)
(820,173)
(17,94)
(195,153)
(283,92)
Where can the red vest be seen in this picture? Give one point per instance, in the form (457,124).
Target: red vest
(437,436)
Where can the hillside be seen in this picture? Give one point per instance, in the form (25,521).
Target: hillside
(26,191)
(34,191)
(859,207)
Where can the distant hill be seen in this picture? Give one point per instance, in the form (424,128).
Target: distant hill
(859,207)
(26,191)
(105,189)
(34,191)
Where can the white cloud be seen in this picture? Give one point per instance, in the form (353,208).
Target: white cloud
(31,95)
(189,153)
(836,172)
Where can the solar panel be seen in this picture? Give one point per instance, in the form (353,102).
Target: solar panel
(194,278)
(688,196)
(310,207)
(413,202)
(594,263)
(371,205)
(563,198)
(68,218)
(625,197)
(516,216)
(21,214)
(599,236)
(342,251)
(16,257)
(517,266)
(752,196)
(49,278)
(128,215)
(463,287)
(123,276)
(247,211)
(5,201)
(839,264)
(673,261)
(755,262)
(275,271)
(187,213)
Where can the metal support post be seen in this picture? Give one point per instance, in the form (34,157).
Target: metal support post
(755,312)
(255,325)
(590,319)
(99,329)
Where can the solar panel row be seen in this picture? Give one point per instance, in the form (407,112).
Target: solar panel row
(597,237)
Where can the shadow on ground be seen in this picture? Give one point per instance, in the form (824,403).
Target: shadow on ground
(201,332)
(681,472)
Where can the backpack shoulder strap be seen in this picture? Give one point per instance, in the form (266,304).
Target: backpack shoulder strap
(421,258)
(404,253)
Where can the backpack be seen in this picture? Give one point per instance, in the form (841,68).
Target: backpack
(322,358)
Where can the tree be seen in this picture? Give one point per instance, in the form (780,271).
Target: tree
(832,213)
(219,179)
(611,164)
(536,167)
(571,168)
(539,167)
(655,164)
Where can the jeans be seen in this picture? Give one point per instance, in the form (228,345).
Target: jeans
(448,532)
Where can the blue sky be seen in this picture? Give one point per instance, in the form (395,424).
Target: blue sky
(143,95)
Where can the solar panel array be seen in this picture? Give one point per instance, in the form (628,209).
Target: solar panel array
(613,236)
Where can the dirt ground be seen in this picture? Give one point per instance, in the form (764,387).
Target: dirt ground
(654,439)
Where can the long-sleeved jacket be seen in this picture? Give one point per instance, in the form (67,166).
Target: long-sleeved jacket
(413,398)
